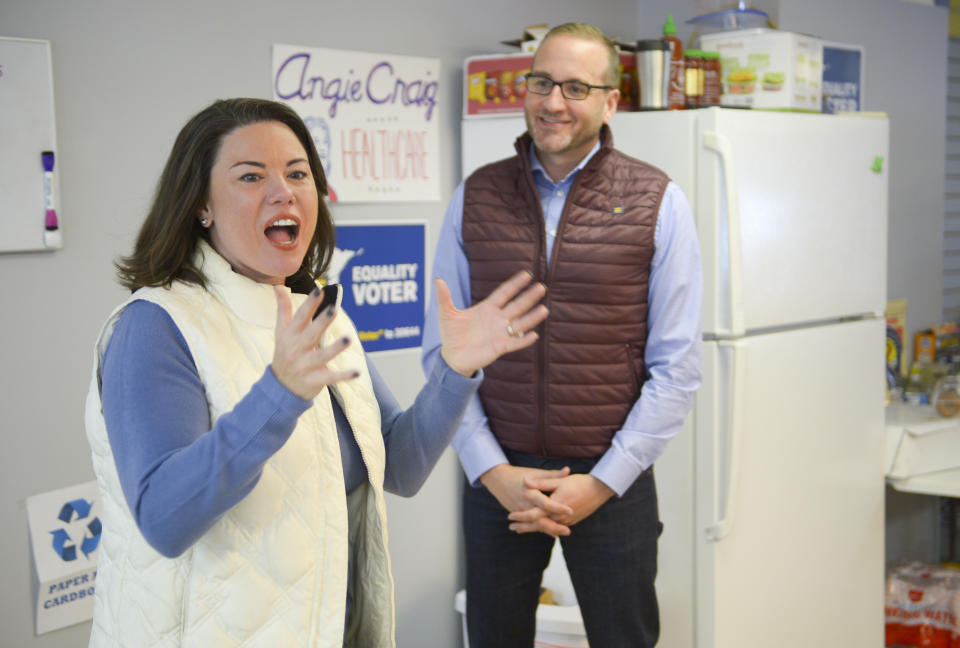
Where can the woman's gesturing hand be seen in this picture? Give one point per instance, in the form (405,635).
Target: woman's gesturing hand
(501,323)
(299,361)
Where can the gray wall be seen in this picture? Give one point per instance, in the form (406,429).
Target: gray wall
(128,74)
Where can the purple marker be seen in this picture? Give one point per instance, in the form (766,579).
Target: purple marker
(51,235)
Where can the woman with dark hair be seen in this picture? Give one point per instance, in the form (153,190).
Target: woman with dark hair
(241,440)
(165,247)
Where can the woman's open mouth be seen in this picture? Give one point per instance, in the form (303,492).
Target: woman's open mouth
(283,231)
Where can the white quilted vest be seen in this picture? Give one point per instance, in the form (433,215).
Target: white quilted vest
(272,572)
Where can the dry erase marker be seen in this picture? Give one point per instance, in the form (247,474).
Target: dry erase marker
(51,235)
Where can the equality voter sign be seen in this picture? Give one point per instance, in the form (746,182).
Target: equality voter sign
(381,269)
(373,118)
(65,534)
(842,77)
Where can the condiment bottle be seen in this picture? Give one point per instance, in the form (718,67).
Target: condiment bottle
(712,88)
(676,97)
(946,396)
(915,391)
(693,75)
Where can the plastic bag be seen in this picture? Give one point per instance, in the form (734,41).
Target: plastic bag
(923,606)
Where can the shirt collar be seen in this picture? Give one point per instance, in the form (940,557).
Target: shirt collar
(540,173)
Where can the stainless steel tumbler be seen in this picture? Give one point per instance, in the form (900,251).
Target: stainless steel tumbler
(653,73)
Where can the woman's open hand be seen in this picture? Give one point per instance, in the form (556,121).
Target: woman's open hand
(299,360)
(503,322)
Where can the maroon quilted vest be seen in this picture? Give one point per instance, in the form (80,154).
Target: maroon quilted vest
(568,394)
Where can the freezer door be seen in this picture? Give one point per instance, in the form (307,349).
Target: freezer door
(792,216)
(789,489)
(665,139)
(488,139)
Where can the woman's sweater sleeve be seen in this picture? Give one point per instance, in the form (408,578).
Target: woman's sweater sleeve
(415,438)
(178,474)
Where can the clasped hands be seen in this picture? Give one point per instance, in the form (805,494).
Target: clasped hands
(545,501)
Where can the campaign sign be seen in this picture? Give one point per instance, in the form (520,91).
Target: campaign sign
(381,268)
(65,533)
(842,77)
(373,117)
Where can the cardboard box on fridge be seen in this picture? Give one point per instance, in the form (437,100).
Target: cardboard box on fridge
(530,41)
(767,68)
(494,83)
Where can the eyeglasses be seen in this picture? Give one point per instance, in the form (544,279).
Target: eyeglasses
(541,84)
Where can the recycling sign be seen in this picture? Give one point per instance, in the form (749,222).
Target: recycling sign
(63,544)
(65,530)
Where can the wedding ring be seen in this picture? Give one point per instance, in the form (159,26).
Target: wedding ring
(513,332)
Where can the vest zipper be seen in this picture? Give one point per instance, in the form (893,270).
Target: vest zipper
(544,272)
(547,273)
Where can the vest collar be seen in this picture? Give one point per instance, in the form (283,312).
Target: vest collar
(250,301)
(536,167)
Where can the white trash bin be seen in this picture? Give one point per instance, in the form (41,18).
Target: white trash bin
(558,626)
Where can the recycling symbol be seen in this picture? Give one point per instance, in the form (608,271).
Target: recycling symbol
(63,544)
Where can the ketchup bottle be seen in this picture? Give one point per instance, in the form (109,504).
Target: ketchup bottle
(676,98)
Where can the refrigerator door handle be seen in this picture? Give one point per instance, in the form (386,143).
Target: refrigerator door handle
(733,429)
(722,147)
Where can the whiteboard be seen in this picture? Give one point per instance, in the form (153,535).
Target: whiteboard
(26,130)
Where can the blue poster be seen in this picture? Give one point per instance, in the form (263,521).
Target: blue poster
(842,82)
(381,268)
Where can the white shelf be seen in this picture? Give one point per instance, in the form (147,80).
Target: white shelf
(946,483)
(922,450)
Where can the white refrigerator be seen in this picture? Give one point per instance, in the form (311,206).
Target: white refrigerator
(772,495)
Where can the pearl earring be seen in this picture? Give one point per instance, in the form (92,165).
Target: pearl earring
(203,221)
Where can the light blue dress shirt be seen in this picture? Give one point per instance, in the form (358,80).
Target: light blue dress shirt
(673,343)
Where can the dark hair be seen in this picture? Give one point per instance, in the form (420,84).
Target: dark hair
(164,249)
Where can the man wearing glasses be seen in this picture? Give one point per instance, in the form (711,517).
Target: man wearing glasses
(562,438)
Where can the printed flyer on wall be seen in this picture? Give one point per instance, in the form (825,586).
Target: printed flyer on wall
(381,268)
(373,118)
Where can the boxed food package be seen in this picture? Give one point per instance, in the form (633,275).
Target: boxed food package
(940,343)
(767,68)
(495,83)
(924,347)
(896,315)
